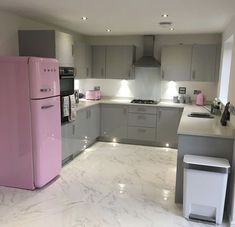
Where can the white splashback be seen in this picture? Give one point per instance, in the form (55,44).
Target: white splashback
(146,87)
(147,83)
(108,87)
(170,89)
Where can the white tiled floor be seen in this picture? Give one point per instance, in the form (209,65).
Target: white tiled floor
(109,185)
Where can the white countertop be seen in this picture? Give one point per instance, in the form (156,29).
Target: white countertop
(203,126)
(188,125)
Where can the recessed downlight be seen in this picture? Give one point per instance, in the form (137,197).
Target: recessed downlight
(84,18)
(165,15)
(108,30)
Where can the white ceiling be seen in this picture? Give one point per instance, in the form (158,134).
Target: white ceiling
(128,16)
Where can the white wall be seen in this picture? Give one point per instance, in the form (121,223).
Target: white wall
(230,30)
(110,87)
(10,24)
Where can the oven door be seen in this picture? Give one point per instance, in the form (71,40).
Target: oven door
(66,85)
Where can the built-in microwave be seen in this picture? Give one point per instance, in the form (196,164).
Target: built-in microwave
(67,75)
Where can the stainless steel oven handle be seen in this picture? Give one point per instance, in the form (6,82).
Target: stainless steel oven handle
(47,107)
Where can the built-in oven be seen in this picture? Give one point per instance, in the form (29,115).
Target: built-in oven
(67,75)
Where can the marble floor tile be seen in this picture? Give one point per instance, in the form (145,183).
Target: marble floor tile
(108,185)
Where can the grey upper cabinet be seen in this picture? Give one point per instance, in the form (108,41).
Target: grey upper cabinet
(47,43)
(176,62)
(204,63)
(83,60)
(168,120)
(119,62)
(98,61)
(114,121)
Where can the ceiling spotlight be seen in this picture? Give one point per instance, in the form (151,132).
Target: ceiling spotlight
(164,15)
(171,29)
(108,30)
(84,18)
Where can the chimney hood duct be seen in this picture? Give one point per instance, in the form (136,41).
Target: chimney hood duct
(148,59)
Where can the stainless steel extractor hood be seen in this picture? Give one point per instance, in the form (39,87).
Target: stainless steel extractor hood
(148,59)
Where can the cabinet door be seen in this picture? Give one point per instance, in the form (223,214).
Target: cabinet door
(81,132)
(88,58)
(176,62)
(69,141)
(64,49)
(167,125)
(98,61)
(114,121)
(203,63)
(119,61)
(82,60)
(94,122)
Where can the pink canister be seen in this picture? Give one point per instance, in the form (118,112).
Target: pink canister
(200,99)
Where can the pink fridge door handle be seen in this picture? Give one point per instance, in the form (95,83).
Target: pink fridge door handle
(47,107)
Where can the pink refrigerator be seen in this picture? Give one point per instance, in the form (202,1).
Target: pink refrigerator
(30,125)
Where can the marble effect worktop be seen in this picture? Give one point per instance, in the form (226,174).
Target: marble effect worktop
(187,126)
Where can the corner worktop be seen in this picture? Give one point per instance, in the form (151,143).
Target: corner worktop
(188,125)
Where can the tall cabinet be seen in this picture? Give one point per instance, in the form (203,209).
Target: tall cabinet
(47,43)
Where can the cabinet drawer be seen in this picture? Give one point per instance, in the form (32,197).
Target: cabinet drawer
(142,109)
(141,133)
(143,120)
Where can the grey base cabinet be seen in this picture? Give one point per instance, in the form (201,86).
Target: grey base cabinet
(80,134)
(87,126)
(114,121)
(168,120)
(142,123)
(70,144)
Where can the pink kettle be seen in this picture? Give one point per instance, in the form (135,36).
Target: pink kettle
(200,99)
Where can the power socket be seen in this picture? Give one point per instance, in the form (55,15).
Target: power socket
(196,92)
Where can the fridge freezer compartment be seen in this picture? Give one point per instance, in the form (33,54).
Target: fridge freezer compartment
(44,78)
(46,132)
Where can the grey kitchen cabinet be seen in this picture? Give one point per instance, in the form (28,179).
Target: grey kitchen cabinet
(119,62)
(47,43)
(168,119)
(87,126)
(70,144)
(83,60)
(114,121)
(204,63)
(78,135)
(99,61)
(141,133)
(142,123)
(176,62)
